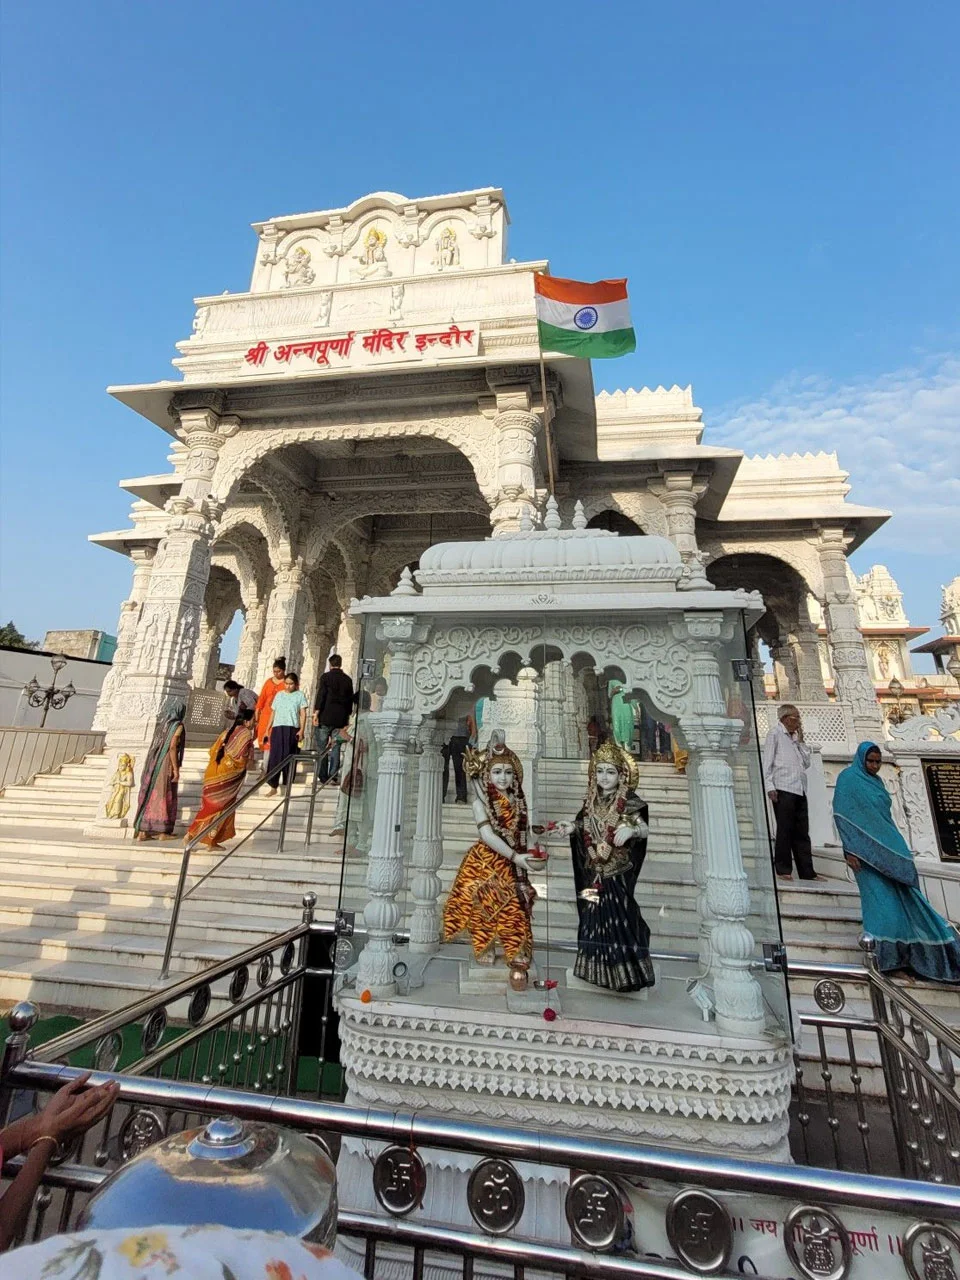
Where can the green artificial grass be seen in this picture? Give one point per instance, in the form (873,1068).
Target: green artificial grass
(210,1051)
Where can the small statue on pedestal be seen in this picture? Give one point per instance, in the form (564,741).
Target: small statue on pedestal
(492,898)
(118,806)
(608,840)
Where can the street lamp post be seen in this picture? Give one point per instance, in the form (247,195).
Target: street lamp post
(37,696)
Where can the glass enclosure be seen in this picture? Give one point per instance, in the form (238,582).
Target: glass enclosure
(554,706)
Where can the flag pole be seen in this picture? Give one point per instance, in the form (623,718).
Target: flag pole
(548,430)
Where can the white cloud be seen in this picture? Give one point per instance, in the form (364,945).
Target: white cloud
(898,435)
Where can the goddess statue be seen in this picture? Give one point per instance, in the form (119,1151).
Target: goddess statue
(608,840)
(492,898)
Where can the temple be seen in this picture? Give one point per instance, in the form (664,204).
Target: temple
(377,391)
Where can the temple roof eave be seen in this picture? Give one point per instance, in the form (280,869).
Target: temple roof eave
(154,489)
(124,541)
(861,522)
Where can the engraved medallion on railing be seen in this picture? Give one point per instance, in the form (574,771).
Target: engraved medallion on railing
(699,1231)
(495,1196)
(153,1030)
(829,996)
(141,1129)
(817,1243)
(238,984)
(106,1055)
(594,1211)
(931,1251)
(199,1005)
(399,1180)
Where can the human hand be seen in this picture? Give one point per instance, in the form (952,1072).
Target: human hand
(527,862)
(73,1109)
(773,796)
(852,861)
(565,828)
(316,719)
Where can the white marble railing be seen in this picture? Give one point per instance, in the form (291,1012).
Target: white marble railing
(828,725)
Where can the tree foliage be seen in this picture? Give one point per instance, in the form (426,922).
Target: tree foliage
(14,638)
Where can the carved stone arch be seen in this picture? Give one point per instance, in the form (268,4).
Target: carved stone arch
(286,506)
(237,563)
(797,553)
(262,519)
(470,435)
(640,506)
(652,654)
(329,518)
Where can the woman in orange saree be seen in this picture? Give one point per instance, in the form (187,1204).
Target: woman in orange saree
(273,685)
(229,760)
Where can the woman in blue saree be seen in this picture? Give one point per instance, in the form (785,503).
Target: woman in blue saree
(910,936)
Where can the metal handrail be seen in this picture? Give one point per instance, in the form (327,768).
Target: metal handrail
(283,803)
(538,1146)
(90,1032)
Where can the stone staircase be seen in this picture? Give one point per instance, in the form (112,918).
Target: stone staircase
(83,920)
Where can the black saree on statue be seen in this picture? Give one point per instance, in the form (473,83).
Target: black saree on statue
(613,939)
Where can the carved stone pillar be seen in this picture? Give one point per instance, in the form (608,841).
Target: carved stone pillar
(849,658)
(251,644)
(710,737)
(394,726)
(428,843)
(679,492)
(805,647)
(161,663)
(348,644)
(785,669)
(516,429)
(286,619)
(207,656)
(142,557)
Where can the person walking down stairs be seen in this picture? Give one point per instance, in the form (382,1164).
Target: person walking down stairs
(912,938)
(159,783)
(230,759)
(288,724)
(786,759)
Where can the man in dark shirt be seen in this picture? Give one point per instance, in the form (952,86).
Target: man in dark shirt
(331,712)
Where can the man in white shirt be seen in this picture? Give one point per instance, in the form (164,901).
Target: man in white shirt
(786,759)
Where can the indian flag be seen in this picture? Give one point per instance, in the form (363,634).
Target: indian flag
(579,319)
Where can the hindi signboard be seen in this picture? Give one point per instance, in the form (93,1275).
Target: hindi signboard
(359,349)
(943,789)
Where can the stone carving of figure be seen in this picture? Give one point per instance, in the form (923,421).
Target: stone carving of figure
(118,806)
(297,269)
(396,302)
(326,302)
(608,840)
(492,898)
(883,661)
(372,256)
(950,608)
(448,251)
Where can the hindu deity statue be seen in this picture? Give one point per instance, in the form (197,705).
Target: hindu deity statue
(608,840)
(492,897)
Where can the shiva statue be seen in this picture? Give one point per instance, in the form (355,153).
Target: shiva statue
(492,897)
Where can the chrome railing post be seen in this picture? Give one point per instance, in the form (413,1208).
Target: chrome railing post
(292,763)
(175,913)
(293,1068)
(317,757)
(23,1018)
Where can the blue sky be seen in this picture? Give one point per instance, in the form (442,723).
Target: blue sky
(779,183)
